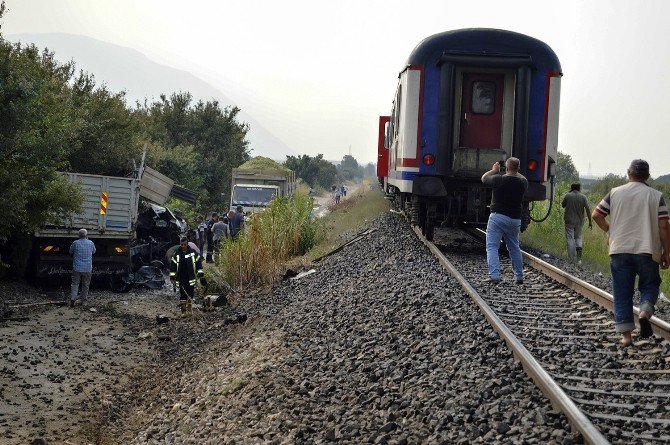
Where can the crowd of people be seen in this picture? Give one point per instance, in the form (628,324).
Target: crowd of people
(339,192)
(638,240)
(208,235)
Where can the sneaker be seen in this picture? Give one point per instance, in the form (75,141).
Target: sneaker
(71,303)
(491,281)
(519,281)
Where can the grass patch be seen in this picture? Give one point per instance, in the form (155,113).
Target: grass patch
(549,237)
(348,216)
(233,386)
(286,233)
(282,231)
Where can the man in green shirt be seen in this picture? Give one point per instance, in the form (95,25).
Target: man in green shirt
(576,206)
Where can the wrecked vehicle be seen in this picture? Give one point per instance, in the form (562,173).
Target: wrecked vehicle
(128,232)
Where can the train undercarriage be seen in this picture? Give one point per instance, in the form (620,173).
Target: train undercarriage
(464,205)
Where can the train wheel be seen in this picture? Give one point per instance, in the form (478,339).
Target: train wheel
(429,233)
(429,212)
(422,218)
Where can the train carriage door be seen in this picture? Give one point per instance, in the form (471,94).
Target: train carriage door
(481,110)
(483,119)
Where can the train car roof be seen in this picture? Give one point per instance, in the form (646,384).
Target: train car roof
(484,41)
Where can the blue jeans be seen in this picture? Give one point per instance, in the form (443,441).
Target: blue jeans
(503,227)
(624,267)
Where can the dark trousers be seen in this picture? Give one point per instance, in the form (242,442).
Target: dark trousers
(210,250)
(186,291)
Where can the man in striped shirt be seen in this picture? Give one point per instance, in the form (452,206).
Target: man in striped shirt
(639,240)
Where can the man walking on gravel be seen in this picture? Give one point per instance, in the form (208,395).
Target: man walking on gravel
(185,269)
(505,219)
(575,205)
(82,251)
(639,240)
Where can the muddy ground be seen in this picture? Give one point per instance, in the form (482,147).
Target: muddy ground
(65,372)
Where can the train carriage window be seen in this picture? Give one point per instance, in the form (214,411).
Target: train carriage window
(483,97)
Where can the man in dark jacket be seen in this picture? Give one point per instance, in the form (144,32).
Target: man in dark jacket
(185,269)
(236,221)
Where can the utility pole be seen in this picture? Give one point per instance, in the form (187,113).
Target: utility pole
(349,149)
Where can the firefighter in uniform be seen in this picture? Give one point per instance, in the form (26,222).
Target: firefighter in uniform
(185,269)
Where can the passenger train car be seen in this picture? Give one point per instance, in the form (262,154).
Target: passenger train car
(465,100)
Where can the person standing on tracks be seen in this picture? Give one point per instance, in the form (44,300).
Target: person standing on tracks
(639,240)
(575,205)
(82,251)
(505,219)
(185,269)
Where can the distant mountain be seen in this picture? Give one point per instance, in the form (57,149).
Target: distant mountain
(126,69)
(665,179)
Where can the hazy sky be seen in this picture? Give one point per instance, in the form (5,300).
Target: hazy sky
(317,74)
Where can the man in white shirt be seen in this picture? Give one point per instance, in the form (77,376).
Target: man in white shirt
(639,240)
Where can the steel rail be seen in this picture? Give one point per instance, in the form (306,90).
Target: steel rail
(598,296)
(552,390)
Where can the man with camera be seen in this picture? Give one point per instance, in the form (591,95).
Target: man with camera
(505,219)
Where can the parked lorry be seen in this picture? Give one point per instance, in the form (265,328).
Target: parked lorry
(127,231)
(254,188)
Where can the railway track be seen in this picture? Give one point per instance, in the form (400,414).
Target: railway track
(560,328)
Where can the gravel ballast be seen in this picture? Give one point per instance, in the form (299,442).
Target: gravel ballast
(380,345)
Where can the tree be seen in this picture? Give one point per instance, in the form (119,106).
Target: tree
(370,170)
(107,135)
(602,186)
(565,169)
(37,129)
(349,168)
(313,170)
(203,134)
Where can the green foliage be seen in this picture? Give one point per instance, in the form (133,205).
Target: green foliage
(179,163)
(549,236)
(260,162)
(370,170)
(601,187)
(349,169)
(283,230)
(565,169)
(37,128)
(53,120)
(107,136)
(315,171)
(215,136)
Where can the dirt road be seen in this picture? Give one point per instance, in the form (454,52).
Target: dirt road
(321,203)
(62,365)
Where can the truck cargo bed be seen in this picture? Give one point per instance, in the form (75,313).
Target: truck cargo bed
(109,216)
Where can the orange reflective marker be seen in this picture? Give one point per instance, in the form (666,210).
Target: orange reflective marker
(103,203)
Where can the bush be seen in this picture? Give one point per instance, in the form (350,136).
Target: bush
(283,230)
